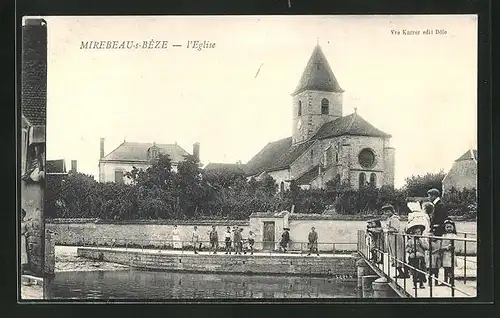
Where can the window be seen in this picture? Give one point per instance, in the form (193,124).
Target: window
(282,187)
(366,158)
(373,180)
(336,157)
(119,176)
(299,113)
(312,154)
(362,180)
(325,105)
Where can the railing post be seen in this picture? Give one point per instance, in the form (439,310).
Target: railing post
(452,278)
(414,271)
(405,268)
(430,267)
(396,260)
(465,259)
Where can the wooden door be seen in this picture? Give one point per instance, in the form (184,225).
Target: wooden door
(268,237)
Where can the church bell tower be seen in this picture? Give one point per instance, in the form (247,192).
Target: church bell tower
(317,98)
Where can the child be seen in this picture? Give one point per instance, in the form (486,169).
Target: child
(196,239)
(415,248)
(433,255)
(227,239)
(374,230)
(251,241)
(449,261)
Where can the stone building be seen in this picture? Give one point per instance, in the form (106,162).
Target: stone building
(113,166)
(33,121)
(463,173)
(325,145)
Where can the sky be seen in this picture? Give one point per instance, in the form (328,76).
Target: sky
(421,89)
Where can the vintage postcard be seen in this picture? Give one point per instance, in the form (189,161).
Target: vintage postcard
(198,158)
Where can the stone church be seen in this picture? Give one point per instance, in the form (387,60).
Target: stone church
(325,145)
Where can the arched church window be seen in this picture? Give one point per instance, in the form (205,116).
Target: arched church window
(312,154)
(373,179)
(325,105)
(282,187)
(299,113)
(366,158)
(362,180)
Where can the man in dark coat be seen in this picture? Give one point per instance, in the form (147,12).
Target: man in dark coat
(440,212)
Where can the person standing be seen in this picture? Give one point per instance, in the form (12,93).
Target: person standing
(251,241)
(196,239)
(24,232)
(214,240)
(313,241)
(395,241)
(415,247)
(227,240)
(237,241)
(285,239)
(449,260)
(176,239)
(440,211)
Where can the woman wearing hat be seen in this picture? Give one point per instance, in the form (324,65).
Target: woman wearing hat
(395,242)
(285,239)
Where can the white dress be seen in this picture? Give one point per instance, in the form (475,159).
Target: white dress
(176,239)
(24,254)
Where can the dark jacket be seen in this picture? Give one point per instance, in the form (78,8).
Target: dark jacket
(313,237)
(439,216)
(285,237)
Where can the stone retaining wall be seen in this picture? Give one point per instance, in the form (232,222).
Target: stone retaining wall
(255,264)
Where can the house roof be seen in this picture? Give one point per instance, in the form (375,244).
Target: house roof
(232,167)
(138,151)
(470,154)
(290,155)
(265,158)
(56,166)
(318,75)
(308,176)
(352,124)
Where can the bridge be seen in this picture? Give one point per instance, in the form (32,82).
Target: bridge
(381,259)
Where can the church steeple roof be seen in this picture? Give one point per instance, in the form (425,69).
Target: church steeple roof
(318,75)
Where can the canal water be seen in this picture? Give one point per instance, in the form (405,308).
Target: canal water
(138,284)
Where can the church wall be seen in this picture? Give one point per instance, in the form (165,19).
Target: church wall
(463,174)
(358,143)
(389,164)
(281,176)
(305,162)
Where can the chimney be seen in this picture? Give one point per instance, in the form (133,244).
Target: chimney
(74,166)
(196,151)
(102,149)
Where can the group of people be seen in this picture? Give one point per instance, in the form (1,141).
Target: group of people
(312,241)
(422,254)
(233,239)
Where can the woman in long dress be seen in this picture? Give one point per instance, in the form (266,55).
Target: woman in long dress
(176,239)
(395,242)
(24,230)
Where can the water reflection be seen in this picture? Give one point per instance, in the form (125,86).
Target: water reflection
(136,284)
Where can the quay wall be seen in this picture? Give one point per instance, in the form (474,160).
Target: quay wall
(221,263)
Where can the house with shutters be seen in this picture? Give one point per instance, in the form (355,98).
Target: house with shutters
(325,144)
(114,165)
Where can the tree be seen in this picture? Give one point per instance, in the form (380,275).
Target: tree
(417,186)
